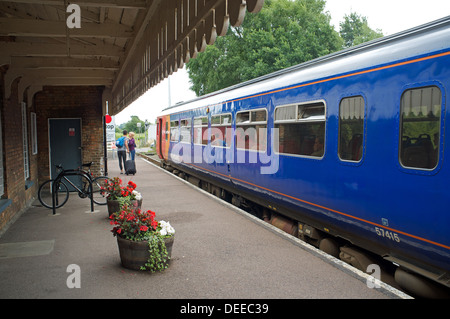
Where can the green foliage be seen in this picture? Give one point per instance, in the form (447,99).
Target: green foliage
(131,125)
(158,256)
(355,30)
(283,34)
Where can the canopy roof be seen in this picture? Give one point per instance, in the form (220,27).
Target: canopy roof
(128,46)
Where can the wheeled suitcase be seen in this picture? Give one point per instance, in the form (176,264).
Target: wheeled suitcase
(130,167)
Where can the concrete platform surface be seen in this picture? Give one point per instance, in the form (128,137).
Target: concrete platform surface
(219,253)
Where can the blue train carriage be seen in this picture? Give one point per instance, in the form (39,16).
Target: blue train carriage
(350,146)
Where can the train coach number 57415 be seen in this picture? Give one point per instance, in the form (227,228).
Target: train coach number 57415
(388,234)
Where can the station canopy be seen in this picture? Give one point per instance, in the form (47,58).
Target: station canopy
(127,46)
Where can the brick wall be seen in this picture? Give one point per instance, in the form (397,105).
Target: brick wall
(51,102)
(13,159)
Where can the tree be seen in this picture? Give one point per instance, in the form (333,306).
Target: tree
(355,30)
(131,125)
(282,34)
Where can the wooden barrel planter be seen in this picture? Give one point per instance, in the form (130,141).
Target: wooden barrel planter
(134,254)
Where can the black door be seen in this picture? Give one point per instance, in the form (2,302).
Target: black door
(65,147)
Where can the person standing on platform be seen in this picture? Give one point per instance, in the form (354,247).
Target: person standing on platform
(131,145)
(122,150)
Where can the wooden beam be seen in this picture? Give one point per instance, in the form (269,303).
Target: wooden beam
(46,49)
(56,76)
(68,73)
(42,28)
(35,83)
(254,6)
(30,82)
(151,12)
(124,4)
(63,63)
(76,82)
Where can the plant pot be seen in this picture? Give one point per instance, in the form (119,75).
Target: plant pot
(134,254)
(114,205)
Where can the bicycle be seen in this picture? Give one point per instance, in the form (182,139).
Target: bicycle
(99,196)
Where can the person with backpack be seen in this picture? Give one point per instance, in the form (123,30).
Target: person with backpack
(122,150)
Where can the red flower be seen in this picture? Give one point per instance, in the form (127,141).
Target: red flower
(143,228)
(152,214)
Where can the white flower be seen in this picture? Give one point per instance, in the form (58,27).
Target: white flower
(166,228)
(137,195)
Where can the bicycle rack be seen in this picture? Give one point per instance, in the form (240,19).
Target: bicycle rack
(71,172)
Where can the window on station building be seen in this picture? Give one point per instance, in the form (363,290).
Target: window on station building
(351,128)
(26,157)
(174,132)
(221,131)
(301,129)
(420,122)
(185,130)
(251,130)
(34,144)
(2,166)
(201,130)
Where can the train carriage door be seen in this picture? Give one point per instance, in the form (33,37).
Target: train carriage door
(163,137)
(166,142)
(159,138)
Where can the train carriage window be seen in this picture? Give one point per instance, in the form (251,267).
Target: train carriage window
(301,129)
(174,133)
(420,122)
(221,130)
(251,130)
(351,128)
(201,130)
(166,131)
(185,131)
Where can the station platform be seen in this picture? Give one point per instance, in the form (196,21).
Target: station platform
(220,252)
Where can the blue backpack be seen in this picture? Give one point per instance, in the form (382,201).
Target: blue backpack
(120,141)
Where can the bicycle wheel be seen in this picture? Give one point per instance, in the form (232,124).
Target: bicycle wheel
(45,194)
(98,186)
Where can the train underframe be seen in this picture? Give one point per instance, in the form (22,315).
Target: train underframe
(345,247)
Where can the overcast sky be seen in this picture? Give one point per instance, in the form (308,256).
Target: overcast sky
(391,16)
